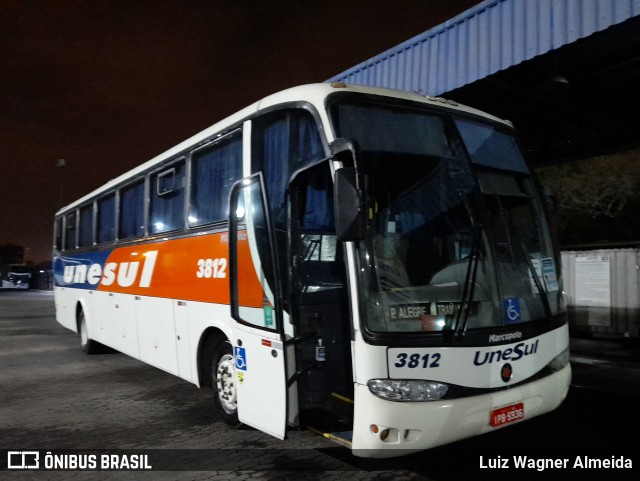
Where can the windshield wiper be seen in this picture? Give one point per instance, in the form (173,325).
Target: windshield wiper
(544,297)
(469,285)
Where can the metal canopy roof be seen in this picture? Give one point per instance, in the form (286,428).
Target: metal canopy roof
(578,101)
(566,72)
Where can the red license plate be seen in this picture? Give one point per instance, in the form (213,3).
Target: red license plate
(507,414)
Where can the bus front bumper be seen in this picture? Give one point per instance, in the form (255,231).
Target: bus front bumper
(386,429)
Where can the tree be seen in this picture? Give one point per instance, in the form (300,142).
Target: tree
(594,195)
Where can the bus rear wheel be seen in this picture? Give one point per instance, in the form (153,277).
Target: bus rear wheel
(223,377)
(88,345)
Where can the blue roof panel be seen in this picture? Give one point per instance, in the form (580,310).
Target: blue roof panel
(492,36)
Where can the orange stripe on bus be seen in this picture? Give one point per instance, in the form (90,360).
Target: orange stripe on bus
(192,268)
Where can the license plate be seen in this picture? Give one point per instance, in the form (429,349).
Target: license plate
(507,414)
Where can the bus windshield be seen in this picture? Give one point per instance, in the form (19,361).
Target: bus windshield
(456,237)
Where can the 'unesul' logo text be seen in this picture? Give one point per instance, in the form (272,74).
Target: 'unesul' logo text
(124,274)
(519,351)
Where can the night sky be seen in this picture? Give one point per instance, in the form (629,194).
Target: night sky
(107,85)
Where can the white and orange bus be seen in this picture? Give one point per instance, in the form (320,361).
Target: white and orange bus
(374,262)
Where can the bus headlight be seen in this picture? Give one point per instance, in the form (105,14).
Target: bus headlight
(560,361)
(407,389)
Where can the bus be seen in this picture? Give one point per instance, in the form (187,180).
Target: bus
(15,276)
(370,264)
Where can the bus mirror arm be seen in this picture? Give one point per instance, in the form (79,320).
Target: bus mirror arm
(345,151)
(349,206)
(348,191)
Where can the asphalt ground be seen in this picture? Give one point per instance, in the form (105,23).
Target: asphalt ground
(54,398)
(606,365)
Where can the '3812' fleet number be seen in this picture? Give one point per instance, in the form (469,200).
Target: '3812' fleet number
(416,360)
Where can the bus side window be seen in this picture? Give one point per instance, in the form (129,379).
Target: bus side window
(318,211)
(85,236)
(167,199)
(214,169)
(58,237)
(131,223)
(106,228)
(70,235)
(320,265)
(281,143)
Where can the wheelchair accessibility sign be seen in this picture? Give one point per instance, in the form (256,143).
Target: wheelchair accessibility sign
(240,355)
(512,309)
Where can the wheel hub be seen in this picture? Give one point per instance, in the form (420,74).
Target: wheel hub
(225,380)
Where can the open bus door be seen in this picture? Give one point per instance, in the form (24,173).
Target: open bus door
(256,308)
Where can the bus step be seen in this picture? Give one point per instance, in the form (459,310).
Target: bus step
(342,438)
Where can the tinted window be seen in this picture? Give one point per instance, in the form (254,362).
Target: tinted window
(85,236)
(167,199)
(58,239)
(282,143)
(70,236)
(490,147)
(132,211)
(106,228)
(214,169)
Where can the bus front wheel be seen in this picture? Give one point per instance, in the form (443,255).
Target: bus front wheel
(224,382)
(88,345)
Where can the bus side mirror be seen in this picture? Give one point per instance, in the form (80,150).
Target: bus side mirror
(349,209)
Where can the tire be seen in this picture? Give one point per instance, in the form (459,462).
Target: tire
(224,383)
(88,345)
